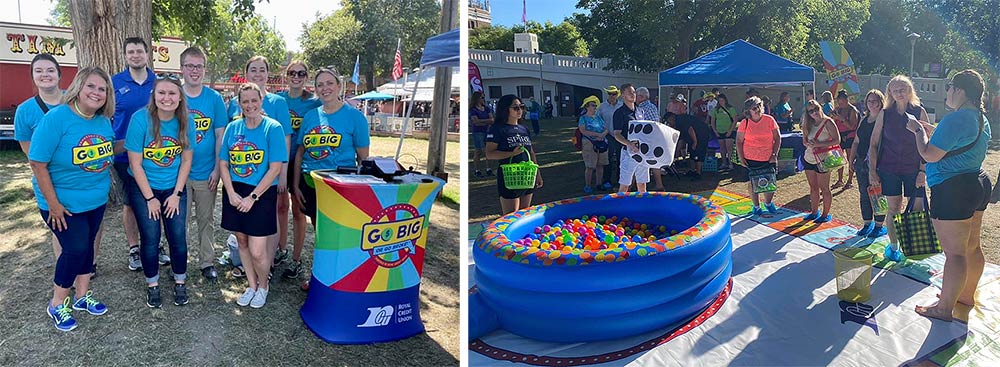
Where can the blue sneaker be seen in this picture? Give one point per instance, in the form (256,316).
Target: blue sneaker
(893,254)
(812,216)
(91,305)
(587,189)
(864,231)
(606,186)
(877,232)
(62,316)
(823,219)
(771,208)
(757,210)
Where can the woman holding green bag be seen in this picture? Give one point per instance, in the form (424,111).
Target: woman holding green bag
(820,137)
(960,190)
(508,143)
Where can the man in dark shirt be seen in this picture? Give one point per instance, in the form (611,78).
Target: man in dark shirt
(623,115)
(696,134)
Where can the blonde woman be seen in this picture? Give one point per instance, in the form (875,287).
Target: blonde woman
(160,142)
(894,163)
(819,135)
(72,189)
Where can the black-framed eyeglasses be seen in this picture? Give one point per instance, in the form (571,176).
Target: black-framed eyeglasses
(170,76)
(947,87)
(194,66)
(298,73)
(812,110)
(755,108)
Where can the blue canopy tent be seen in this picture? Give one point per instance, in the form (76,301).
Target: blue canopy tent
(440,51)
(373,95)
(738,63)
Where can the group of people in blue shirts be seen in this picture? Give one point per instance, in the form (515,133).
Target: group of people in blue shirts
(169,145)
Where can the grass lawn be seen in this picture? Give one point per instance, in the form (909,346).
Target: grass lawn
(211,330)
(562,171)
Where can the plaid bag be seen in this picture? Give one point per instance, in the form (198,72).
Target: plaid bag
(915,231)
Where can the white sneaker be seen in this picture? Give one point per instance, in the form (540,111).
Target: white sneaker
(246,298)
(259,298)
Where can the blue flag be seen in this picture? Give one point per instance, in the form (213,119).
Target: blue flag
(356,78)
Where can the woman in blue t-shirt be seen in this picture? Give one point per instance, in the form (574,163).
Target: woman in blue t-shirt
(70,155)
(960,190)
(592,129)
(251,158)
(160,142)
(300,101)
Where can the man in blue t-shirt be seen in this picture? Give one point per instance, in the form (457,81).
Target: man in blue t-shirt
(208,112)
(133,86)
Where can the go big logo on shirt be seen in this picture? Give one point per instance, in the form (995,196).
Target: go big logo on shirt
(93,153)
(244,157)
(165,155)
(319,140)
(296,120)
(202,124)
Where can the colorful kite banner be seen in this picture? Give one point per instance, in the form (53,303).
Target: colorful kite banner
(839,68)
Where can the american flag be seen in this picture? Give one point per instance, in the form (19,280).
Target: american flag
(524,12)
(397,65)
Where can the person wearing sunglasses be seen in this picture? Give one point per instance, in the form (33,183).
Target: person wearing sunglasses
(300,101)
(893,161)
(757,144)
(275,107)
(208,112)
(818,132)
(72,189)
(606,110)
(593,129)
(960,189)
(846,117)
(510,142)
(254,152)
(132,88)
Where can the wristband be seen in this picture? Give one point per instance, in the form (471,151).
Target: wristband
(150,198)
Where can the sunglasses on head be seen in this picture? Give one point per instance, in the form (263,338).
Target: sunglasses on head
(298,73)
(170,76)
(948,87)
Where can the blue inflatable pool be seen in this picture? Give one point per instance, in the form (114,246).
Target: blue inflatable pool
(585,295)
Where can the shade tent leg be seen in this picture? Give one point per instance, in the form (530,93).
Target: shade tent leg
(409,113)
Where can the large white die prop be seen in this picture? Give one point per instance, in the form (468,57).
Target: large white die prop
(657,142)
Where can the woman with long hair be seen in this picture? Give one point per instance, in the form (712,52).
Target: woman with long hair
(874,103)
(722,119)
(846,117)
(509,142)
(313,153)
(819,134)
(253,152)
(481,117)
(160,142)
(757,142)
(300,102)
(960,190)
(72,188)
(893,161)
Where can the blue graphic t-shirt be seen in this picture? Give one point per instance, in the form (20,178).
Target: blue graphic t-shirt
(160,164)
(331,140)
(955,131)
(274,106)
(130,96)
(26,118)
(297,108)
(79,152)
(250,151)
(208,111)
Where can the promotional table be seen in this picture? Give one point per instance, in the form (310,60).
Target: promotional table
(371,236)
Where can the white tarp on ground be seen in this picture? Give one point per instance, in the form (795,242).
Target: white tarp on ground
(426,87)
(783,310)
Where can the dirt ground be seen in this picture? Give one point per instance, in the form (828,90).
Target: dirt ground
(562,171)
(211,329)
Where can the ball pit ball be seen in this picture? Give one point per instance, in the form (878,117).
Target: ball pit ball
(588,232)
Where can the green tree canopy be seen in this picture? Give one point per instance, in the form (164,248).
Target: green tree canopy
(561,39)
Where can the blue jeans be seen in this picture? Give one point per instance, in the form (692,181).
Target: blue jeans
(149,233)
(77,242)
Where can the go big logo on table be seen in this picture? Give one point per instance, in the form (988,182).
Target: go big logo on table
(390,240)
(319,140)
(93,153)
(244,157)
(165,154)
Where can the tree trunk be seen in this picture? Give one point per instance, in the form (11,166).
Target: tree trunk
(683,8)
(100,27)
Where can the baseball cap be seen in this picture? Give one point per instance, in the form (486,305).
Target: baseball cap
(611,89)
(594,99)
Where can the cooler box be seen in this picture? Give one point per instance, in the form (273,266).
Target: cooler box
(370,241)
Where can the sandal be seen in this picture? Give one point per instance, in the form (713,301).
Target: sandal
(839,183)
(959,302)
(934,312)
(238,272)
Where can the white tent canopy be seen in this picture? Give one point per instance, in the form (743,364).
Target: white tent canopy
(425,91)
